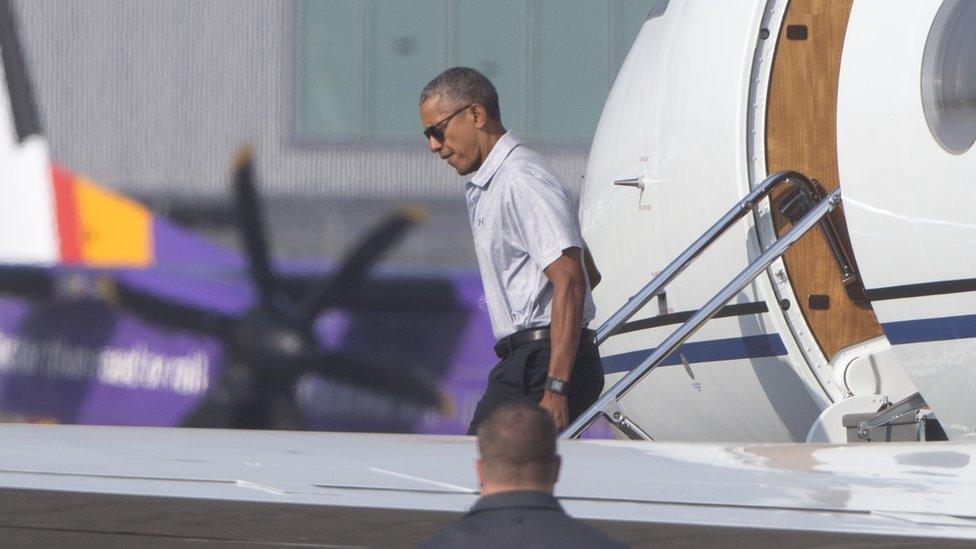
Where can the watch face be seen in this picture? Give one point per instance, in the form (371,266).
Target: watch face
(556,385)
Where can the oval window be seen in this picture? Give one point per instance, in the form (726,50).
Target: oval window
(949,76)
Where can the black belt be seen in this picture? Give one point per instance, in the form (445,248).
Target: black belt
(507,344)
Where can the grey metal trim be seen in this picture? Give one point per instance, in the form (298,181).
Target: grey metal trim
(632,182)
(908,405)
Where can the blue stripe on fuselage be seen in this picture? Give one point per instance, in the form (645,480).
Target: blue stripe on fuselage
(930,329)
(735,348)
(759,346)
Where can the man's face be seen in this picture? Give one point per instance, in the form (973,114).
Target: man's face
(459,147)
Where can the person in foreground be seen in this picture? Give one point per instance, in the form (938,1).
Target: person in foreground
(517,471)
(536,271)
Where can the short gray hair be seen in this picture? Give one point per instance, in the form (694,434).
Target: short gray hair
(461,85)
(517,443)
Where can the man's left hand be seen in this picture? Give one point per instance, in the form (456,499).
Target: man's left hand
(557,408)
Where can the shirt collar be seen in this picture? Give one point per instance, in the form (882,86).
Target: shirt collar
(498,154)
(519,498)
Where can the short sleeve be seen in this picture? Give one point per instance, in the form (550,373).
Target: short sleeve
(541,213)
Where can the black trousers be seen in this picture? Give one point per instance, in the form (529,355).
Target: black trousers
(521,376)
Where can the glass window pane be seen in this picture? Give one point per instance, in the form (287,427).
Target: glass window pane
(407,51)
(570,55)
(329,71)
(490,37)
(360,64)
(949,76)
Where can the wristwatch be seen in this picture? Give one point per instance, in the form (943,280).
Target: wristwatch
(556,385)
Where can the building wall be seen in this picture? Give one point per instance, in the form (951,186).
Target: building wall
(154,97)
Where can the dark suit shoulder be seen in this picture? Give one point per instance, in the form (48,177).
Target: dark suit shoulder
(515,521)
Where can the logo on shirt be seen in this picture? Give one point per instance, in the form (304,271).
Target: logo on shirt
(481,222)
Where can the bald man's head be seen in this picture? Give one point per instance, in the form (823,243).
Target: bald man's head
(517,444)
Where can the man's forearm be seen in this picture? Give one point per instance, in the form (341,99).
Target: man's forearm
(565,327)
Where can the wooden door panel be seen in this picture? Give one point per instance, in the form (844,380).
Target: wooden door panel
(801,135)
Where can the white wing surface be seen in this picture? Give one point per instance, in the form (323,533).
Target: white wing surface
(99,483)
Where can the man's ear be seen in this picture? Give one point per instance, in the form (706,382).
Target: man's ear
(479,467)
(480,115)
(557,464)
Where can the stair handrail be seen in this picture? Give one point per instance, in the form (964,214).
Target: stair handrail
(606,405)
(680,263)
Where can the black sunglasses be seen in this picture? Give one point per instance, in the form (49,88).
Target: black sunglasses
(436,130)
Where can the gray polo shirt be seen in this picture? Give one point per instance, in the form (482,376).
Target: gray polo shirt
(522,218)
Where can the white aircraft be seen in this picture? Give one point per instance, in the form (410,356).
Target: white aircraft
(876,98)
(715,100)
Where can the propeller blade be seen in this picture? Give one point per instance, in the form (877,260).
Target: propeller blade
(398,293)
(397,382)
(24,281)
(158,310)
(251,224)
(361,260)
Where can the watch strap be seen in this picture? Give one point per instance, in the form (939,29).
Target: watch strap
(556,385)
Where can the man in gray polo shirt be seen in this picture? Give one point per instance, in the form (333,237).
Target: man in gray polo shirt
(535,268)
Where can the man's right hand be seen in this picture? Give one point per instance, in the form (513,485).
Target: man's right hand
(557,407)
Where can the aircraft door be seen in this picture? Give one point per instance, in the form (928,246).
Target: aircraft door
(666,163)
(801,135)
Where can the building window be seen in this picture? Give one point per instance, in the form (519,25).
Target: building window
(360,64)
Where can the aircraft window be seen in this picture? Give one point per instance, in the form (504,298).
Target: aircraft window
(949,76)
(359,65)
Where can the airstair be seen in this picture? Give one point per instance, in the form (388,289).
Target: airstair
(804,204)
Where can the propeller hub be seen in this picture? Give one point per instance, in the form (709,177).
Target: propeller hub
(276,342)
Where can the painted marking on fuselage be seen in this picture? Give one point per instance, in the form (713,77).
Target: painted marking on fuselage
(667,319)
(922,289)
(923,330)
(930,329)
(735,348)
